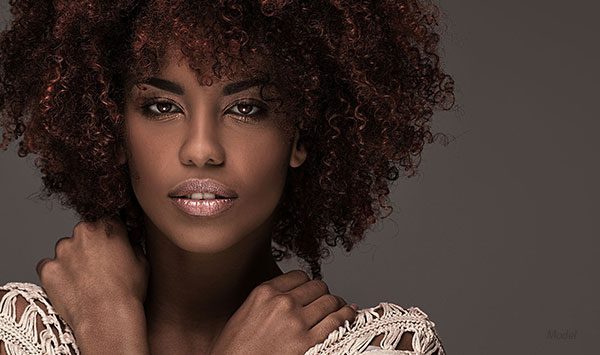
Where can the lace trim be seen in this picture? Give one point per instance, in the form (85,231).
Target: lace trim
(21,336)
(355,338)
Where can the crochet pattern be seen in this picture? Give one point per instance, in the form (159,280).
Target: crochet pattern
(354,338)
(22,336)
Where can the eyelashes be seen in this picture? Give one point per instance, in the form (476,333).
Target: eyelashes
(245,110)
(158,110)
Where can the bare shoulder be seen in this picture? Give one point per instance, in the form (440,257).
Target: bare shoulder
(28,323)
(384,329)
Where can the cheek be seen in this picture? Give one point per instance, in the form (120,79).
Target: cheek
(265,163)
(255,164)
(148,162)
(262,166)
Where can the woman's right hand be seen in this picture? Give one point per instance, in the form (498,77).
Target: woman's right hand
(97,283)
(285,315)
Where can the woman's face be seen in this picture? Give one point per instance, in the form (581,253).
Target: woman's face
(177,130)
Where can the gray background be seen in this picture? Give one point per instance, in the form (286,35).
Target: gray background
(497,238)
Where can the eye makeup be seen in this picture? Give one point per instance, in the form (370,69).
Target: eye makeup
(245,110)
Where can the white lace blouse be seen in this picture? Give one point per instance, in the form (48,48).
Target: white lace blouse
(39,330)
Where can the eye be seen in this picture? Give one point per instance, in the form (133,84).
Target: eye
(248,110)
(155,108)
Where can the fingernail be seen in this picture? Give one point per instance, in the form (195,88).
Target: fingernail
(354,306)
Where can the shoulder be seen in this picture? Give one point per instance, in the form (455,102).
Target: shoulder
(29,324)
(384,329)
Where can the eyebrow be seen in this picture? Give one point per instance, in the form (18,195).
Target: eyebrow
(165,85)
(228,89)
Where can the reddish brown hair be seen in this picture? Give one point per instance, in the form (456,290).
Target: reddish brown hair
(360,78)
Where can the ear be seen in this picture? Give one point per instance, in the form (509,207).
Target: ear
(298,154)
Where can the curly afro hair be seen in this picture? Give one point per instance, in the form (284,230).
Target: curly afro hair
(364,75)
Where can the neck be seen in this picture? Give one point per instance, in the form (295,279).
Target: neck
(191,292)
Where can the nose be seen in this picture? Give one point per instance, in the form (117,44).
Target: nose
(202,144)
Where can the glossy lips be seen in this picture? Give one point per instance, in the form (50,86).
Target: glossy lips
(191,186)
(202,207)
(224,200)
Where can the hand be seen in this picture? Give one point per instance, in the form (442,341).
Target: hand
(96,274)
(285,315)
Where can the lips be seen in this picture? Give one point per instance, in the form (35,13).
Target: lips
(225,197)
(203,208)
(195,185)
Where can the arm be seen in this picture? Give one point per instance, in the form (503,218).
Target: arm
(97,283)
(121,330)
(124,333)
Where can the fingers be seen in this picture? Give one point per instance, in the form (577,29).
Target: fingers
(114,226)
(322,307)
(40,265)
(318,303)
(332,322)
(309,291)
(312,294)
(288,281)
(59,249)
(60,246)
(42,270)
(110,225)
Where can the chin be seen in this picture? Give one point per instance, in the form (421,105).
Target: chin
(214,236)
(238,227)
(206,241)
(200,239)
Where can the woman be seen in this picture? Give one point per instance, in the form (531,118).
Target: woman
(201,142)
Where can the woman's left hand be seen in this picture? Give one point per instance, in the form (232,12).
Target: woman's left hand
(97,281)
